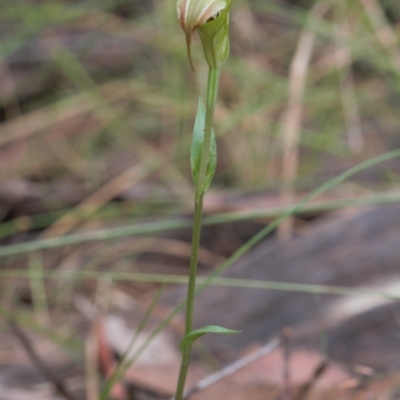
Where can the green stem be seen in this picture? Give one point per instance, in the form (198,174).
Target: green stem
(198,211)
(212,92)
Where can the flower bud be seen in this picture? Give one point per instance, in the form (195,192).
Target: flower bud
(211,18)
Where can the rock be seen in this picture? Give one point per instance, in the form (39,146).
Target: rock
(356,251)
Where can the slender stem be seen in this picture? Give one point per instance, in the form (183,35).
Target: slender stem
(198,211)
(183,373)
(212,92)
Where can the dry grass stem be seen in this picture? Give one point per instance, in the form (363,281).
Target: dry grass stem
(40,120)
(293,116)
(384,32)
(347,87)
(101,196)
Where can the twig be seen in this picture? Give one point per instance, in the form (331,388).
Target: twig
(305,389)
(232,368)
(91,359)
(285,338)
(285,393)
(322,325)
(40,365)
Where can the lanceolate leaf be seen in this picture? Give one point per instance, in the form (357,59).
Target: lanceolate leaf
(197,147)
(188,340)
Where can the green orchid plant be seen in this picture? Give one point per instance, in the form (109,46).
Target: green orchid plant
(211,20)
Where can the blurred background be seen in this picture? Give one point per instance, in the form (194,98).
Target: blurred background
(97,103)
(91,90)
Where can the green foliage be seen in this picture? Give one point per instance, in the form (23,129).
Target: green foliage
(70,97)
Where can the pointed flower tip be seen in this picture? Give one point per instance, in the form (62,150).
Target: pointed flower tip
(189,48)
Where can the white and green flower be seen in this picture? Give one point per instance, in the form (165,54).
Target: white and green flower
(211,19)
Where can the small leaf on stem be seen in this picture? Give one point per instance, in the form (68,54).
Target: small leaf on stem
(188,339)
(197,148)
